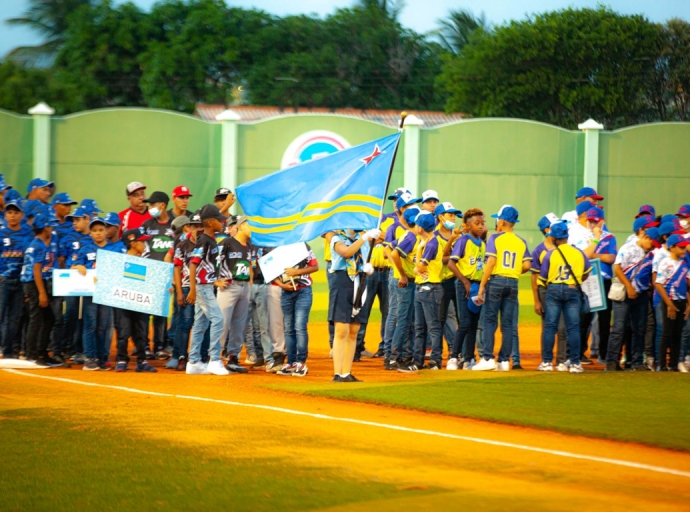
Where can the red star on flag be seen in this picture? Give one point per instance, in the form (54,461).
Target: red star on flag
(369,158)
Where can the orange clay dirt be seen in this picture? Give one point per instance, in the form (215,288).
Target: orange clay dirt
(465,473)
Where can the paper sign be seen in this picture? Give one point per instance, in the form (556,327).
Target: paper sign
(134,283)
(70,283)
(593,287)
(275,262)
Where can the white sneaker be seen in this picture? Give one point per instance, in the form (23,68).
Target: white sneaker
(682,368)
(576,368)
(452,364)
(545,367)
(484,364)
(197,368)
(216,368)
(250,360)
(563,367)
(503,367)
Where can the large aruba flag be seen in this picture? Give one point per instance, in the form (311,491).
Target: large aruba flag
(344,190)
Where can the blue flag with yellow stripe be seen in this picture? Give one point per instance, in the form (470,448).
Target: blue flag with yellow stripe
(344,190)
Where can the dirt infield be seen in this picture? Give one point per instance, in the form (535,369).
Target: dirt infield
(450,472)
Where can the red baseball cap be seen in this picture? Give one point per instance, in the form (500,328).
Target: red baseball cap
(181,191)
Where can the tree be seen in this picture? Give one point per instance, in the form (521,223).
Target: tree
(50,19)
(560,67)
(21,88)
(391,8)
(455,31)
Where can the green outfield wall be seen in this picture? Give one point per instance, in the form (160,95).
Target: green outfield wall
(16,149)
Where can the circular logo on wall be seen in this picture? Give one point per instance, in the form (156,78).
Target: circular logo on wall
(312,145)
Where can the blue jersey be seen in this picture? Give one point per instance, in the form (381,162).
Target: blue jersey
(63,229)
(39,253)
(86,256)
(14,243)
(70,244)
(607,245)
(118,247)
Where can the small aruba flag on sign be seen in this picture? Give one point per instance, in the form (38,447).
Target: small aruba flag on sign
(135,271)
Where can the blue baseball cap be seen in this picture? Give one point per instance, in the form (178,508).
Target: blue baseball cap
(646,221)
(14,195)
(559,230)
(671,228)
(474,289)
(405,199)
(398,192)
(425,220)
(14,204)
(547,221)
(596,214)
(43,220)
(96,220)
(588,192)
(39,183)
(63,198)
(646,209)
(507,213)
(79,212)
(653,233)
(3,186)
(410,215)
(34,207)
(678,241)
(684,211)
(112,219)
(583,207)
(669,217)
(446,208)
(90,206)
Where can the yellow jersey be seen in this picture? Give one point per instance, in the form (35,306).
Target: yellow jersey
(510,252)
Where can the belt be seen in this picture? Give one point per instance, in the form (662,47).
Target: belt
(382,269)
(563,284)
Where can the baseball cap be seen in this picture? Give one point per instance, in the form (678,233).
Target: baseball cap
(595,214)
(241,219)
(43,220)
(425,220)
(3,186)
(132,235)
(398,192)
(584,207)
(405,199)
(653,233)
(79,212)
(179,222)
(211,211)
(646,209)
(134,186)
(684,211)
(471,305)
(646,221)
(63,198)
(677,240)
(446,208)
(14,204)
(39,183)
(195,219)
(14,195)
(158,197)
(90,206)
(112,219)
(96,220)
(222,192)
(588,192)
(429,194)
(507,213)
(181,191)
(559,230)
(410,215)
(669,217)
(671,228)
(547,221)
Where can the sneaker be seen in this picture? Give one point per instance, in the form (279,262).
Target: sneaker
(216,368)
(392,365)
(104,366)
(259,362)
(503,366)
(299,370)
(250,360)
(150,355)
(91,366)
(278,362)
(198,368)
(585,360)
(563,367)
(53,362)
(42,363)
(682,368)
(468,365)
(517,367)
(234,366)
(379,353)
(452,364)
(287,369)
(78,358)
(367,354)
(576,368)
(545,367)
(406,368)
(484,364)
(161,355)
(433,365)
(337,378)
(613,367)
(145,367)
(171,364)
(181,364)
(349,378)
(121,367)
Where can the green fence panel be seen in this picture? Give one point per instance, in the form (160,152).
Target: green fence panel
(95,154)
(16,149)
(486,163)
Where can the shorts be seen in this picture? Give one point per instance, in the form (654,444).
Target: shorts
(341,295)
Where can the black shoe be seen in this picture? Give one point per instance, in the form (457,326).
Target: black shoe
(181,364)
(379,353)
(150,355)
(53,362)
(259,363)
(357,358)
(613,367)
(279,359)
(337,378)
(583,360)
(42,363)
(408,368)
(62,362)
(392,365)
(350,378)
(517,367)
(235,368)
(433,365)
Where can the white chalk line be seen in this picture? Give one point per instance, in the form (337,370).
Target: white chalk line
(558,453)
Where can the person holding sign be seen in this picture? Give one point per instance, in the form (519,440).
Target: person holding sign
(349,251)
(563,270)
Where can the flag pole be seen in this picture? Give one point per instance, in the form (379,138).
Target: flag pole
(357,304)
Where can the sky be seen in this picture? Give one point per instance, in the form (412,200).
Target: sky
(419,15)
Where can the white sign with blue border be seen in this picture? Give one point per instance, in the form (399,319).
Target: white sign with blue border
(593,287)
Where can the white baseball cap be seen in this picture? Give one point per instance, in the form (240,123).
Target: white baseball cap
(134,186)
(429,194)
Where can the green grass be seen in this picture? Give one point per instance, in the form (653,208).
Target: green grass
(53,463)
(649,408)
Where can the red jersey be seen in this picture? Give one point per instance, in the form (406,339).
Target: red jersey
(132,220)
